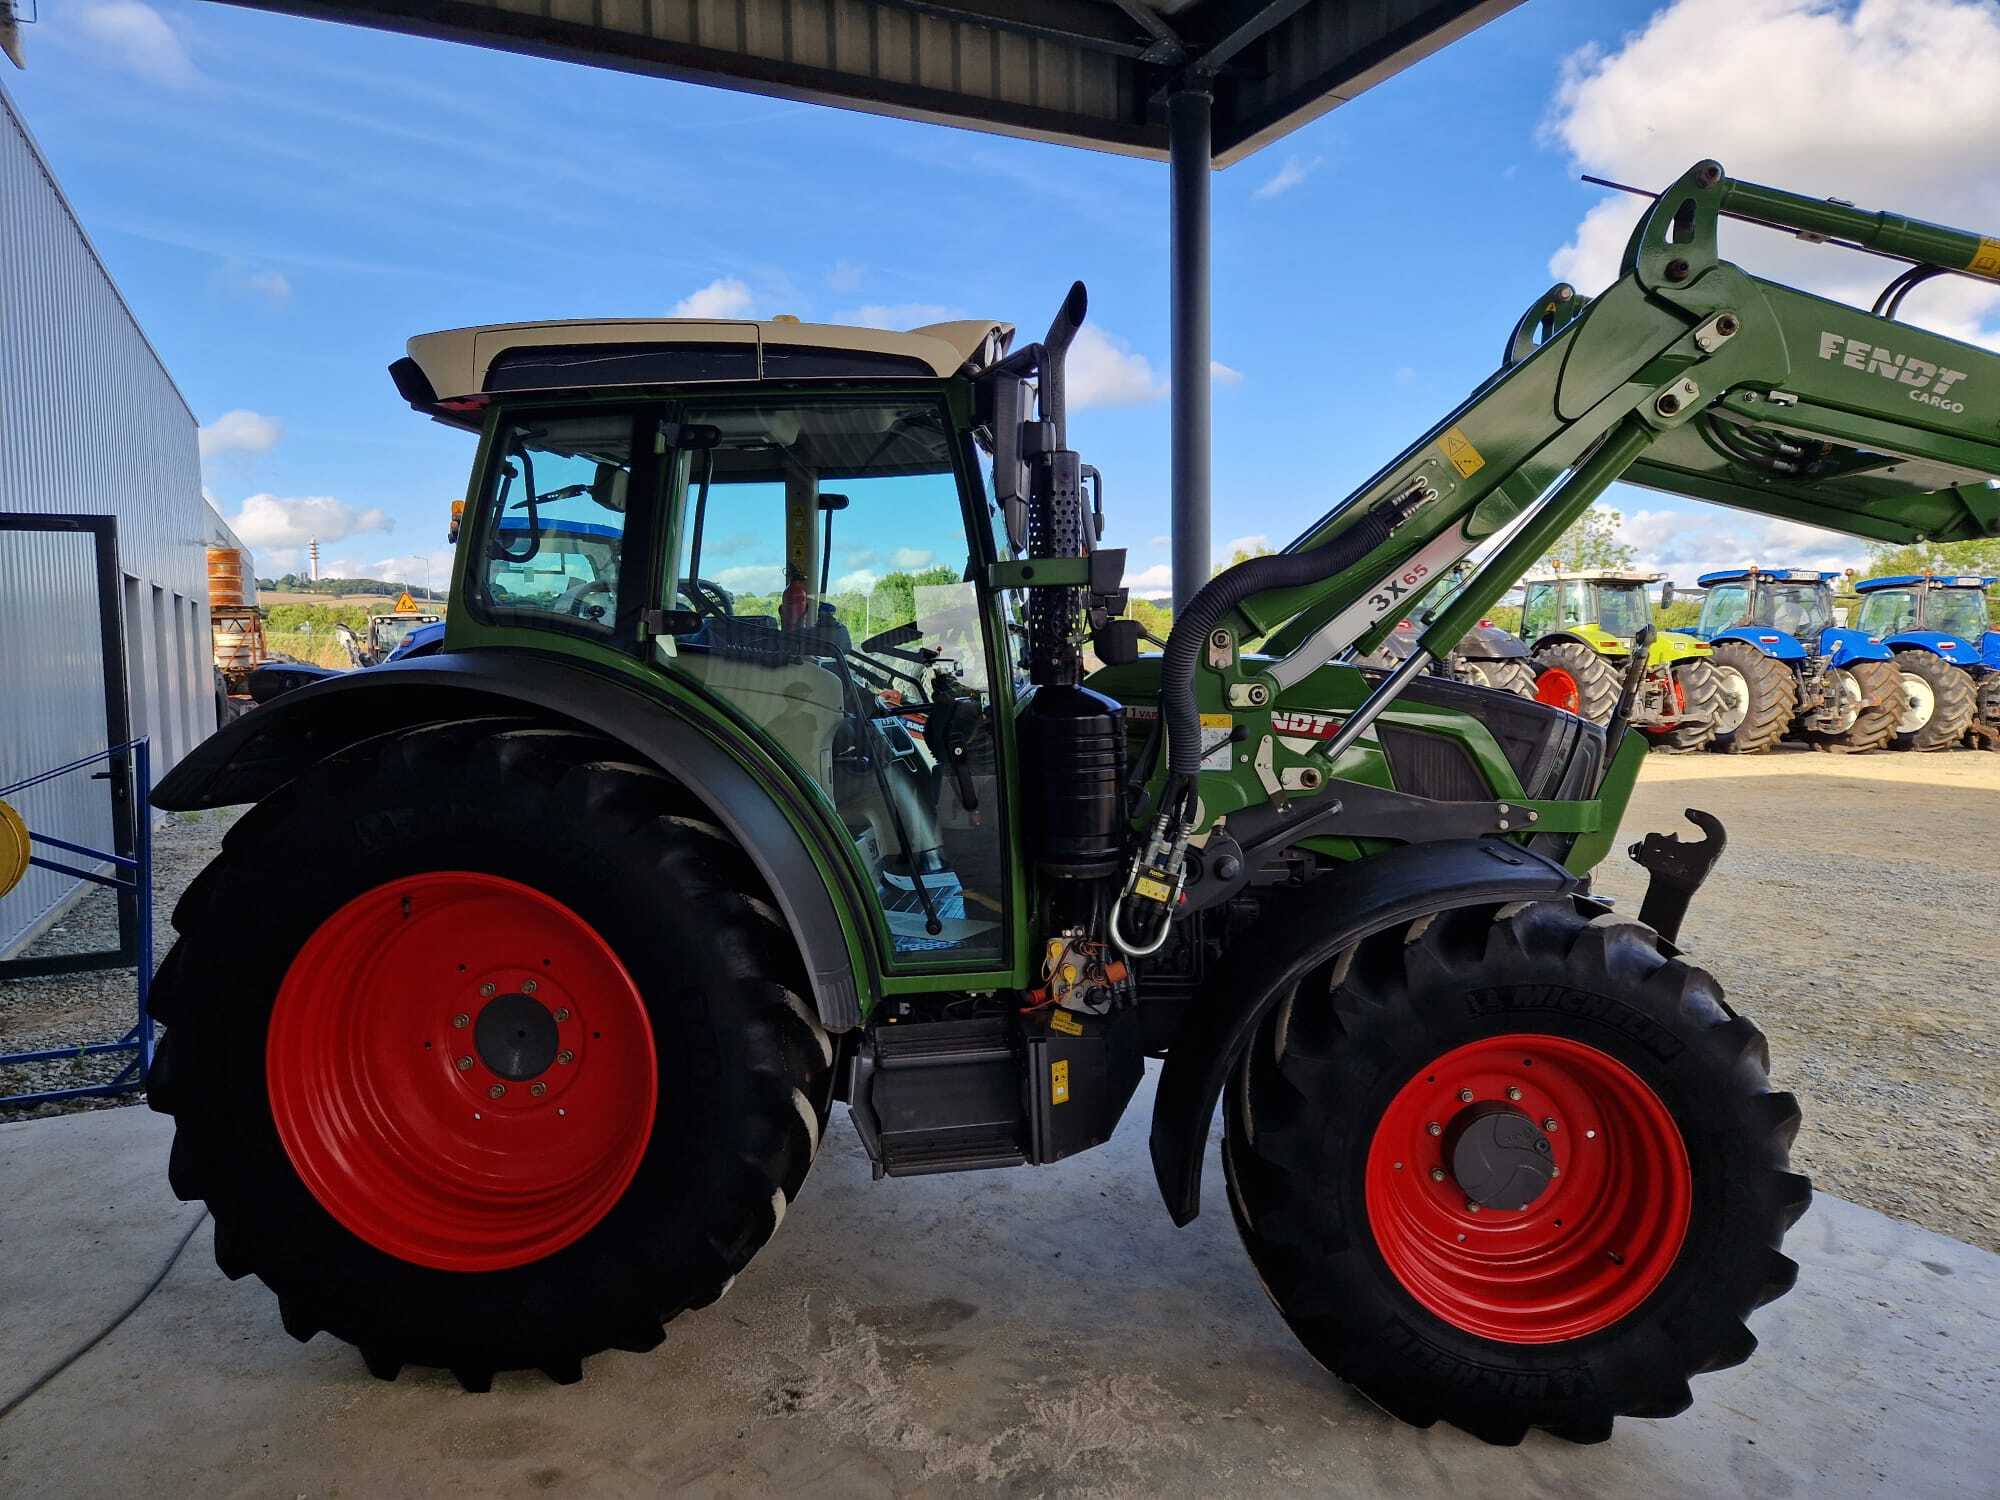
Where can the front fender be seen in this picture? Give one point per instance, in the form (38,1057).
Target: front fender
(1955,649)
(1333,913)
(263,751)
(1773,643)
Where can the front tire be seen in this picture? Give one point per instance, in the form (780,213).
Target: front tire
(1937,702)
(1629,1271)
(511,1064)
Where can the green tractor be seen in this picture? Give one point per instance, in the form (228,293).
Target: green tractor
(1581,625)
(759,772)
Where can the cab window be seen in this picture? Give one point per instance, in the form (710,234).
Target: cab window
(1538,610)
(1889,611)
(821,591)
(1726,607)
(553,520)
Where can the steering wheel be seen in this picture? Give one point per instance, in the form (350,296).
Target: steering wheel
(708,598)
(583,608)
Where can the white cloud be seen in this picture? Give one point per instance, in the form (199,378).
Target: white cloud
(1248,544)
(1295,171)
(1160,541)
(1888,103)
(912,558)
(240,431)
(272,286)
(1156,582)
(1686,542)
(267,521)
(428,569)
(900,314)
(1223,374)
(1104,371)
(860,581)
(846,276)
(136,37)
(725,297)
(752,578)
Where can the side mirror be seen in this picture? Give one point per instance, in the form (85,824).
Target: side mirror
(457,520)
(609,487)
(1666,595)
(1006,406)
(833,502)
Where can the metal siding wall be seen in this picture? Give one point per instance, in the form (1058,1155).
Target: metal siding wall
(90,422)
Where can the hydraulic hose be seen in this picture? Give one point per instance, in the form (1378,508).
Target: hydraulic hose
(1230,588)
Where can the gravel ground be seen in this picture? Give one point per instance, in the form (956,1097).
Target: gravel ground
(75,1009)
(1852,919)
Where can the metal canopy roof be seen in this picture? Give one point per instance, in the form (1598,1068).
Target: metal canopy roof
(1079,72)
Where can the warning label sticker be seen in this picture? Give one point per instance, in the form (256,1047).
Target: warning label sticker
(1216,734)
(1986,259)
(1464,457)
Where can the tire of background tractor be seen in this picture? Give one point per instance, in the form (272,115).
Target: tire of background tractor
(487,1051)
(1765,690)
(1881,688)
(1510,675)
(1939,702)
(1569,675)
(1634,1268)
(1700,697)
(1989,708)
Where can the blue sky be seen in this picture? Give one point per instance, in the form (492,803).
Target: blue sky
(284,202)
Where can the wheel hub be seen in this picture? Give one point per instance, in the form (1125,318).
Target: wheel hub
(1499,1156)
(516,1037)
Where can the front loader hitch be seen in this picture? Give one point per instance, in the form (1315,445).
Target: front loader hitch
(1678,871)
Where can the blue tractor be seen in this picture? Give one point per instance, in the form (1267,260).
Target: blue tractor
(1786,668)
(1947,652)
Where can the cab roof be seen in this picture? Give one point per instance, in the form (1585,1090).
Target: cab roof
(454,373)
(1936,580)
(1779,575)
(1595,575)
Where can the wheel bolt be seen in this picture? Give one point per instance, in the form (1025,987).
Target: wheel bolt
(1434,1128)
(496,1091)
(465,1065)
(1471,1207)
(1550,1125)
(1437,1174)
(538,1089)
(487,988)
(527,986)
(565,1057)
(562,1013)
(1465,1096)
(1513,1091)
(461,1021)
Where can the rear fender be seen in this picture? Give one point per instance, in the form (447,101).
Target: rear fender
(1955,649)
(263,751)
(1773,643)
(1491,643)
(1298,931)
(1671,647)
(1844,646)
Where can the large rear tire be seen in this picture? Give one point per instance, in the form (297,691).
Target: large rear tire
(486,1051)
(1509,674)
(1569,675)
(1634,1264)
(1938,701)
(1758,695)
(1700,695)
(1874,691)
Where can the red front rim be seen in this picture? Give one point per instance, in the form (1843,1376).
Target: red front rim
(461,1071)
(1589,1249)
(1558,689)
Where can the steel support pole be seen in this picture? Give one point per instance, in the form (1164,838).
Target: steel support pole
(1188,145)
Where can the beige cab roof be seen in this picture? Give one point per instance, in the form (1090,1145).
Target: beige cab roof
(1595,575)
(458,362)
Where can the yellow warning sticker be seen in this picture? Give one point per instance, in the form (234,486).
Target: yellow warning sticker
(1986,260)
(405,605)
(1217,721)
(1059,1082)
(1067,1024)
(1464,457)
(1153,890)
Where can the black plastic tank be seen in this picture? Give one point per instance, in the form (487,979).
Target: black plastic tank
(1073,780)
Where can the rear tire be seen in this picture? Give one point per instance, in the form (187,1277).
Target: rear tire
(1989,708)
(1880,686)
(1939,701)
(1701,695)
(1509,674)
(717,1076)
(1569,675)
(1769,697)
(1511,1318)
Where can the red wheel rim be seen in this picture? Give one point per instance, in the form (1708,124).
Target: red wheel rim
(1558,689)
(398,1021)
(1594,1245)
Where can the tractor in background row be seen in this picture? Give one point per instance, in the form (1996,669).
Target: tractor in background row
(1580,625)
(1945,649)
(1787,668)
(1485,656)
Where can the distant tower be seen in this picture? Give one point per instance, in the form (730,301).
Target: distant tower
(312,550)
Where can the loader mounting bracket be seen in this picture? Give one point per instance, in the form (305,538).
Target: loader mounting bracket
(1678,870)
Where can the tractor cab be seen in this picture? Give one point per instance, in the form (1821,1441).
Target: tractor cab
(386,632)
(1581,623)
(1947,651)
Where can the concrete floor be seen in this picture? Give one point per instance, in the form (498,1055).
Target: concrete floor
(1033,1332)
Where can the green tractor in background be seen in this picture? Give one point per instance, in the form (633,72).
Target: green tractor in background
(1580,626)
